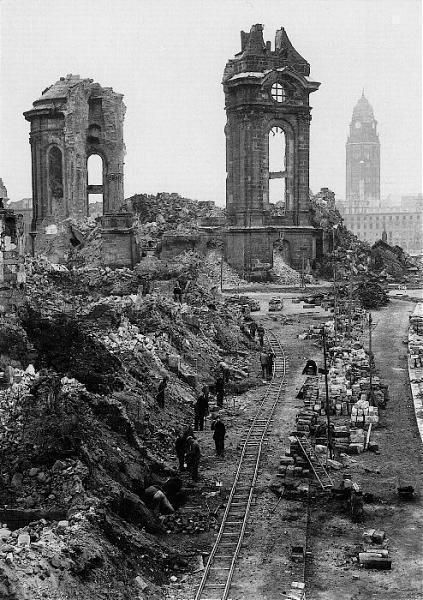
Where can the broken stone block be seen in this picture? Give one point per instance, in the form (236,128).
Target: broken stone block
(17,480)
(58,466)
(24,539)
(334,464)
(355,448)
(368,534)
(378,536)
(143,585)
(5,533)
(373,561)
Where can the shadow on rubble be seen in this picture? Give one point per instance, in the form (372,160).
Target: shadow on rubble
(62,344)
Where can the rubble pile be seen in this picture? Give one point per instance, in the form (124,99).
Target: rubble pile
(282,273)
(324,213)
(80,430)
(391,261)
(164,212)
(215,271)
(190,522)
(371,293)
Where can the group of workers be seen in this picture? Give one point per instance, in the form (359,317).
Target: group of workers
(186,445)
(188,449)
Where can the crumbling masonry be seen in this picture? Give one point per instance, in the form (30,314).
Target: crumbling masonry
(72,120)
(267,95)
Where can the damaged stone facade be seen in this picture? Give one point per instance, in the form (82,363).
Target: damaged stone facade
(72,120)
(267,93)
(3,193)
(12,261)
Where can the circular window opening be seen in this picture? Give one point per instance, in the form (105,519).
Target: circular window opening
(278,92)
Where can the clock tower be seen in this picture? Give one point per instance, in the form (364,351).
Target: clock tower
(363,160)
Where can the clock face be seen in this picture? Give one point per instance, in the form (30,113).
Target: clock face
(357,125)
(278,92)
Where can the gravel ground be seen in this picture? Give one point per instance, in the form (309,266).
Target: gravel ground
(264,569)
(332,536)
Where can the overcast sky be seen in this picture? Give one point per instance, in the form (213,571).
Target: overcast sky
(167,57)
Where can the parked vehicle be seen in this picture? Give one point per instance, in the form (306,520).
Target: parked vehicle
(275,305)
(253,305)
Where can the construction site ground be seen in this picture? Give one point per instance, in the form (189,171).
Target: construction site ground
(321,524)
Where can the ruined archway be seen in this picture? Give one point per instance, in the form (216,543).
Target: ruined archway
(277,168)
(95,185)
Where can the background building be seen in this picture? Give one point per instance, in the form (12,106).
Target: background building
(363,160)
(363,211)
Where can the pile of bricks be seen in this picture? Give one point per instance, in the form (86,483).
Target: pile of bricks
(364,414)
(294,464)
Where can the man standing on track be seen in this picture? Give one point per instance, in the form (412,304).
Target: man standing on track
(219,429)
(270,364)
(264,362)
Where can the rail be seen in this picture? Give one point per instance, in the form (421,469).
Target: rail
(217,577)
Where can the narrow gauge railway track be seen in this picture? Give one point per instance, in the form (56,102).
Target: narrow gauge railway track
(217,577)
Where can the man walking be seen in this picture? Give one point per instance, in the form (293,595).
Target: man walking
(201,409)
(193,457)
(219,429)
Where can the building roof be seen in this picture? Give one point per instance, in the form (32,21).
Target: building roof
(61,88)
(363,110)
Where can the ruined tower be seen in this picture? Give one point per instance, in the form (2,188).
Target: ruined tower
(267,153)
(363,160)
(73,120)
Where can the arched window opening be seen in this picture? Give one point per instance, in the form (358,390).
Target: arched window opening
(55,180)
(277,168)
(95,189)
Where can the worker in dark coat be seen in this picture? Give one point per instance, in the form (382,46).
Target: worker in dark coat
(219,430)
(201,409)
(181,446)
(193,457)
(270,364)
(160,397)
(260,335)
(253,329)
(264,361)
(157,500)
(220,390)
(177,293)
(225,370)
